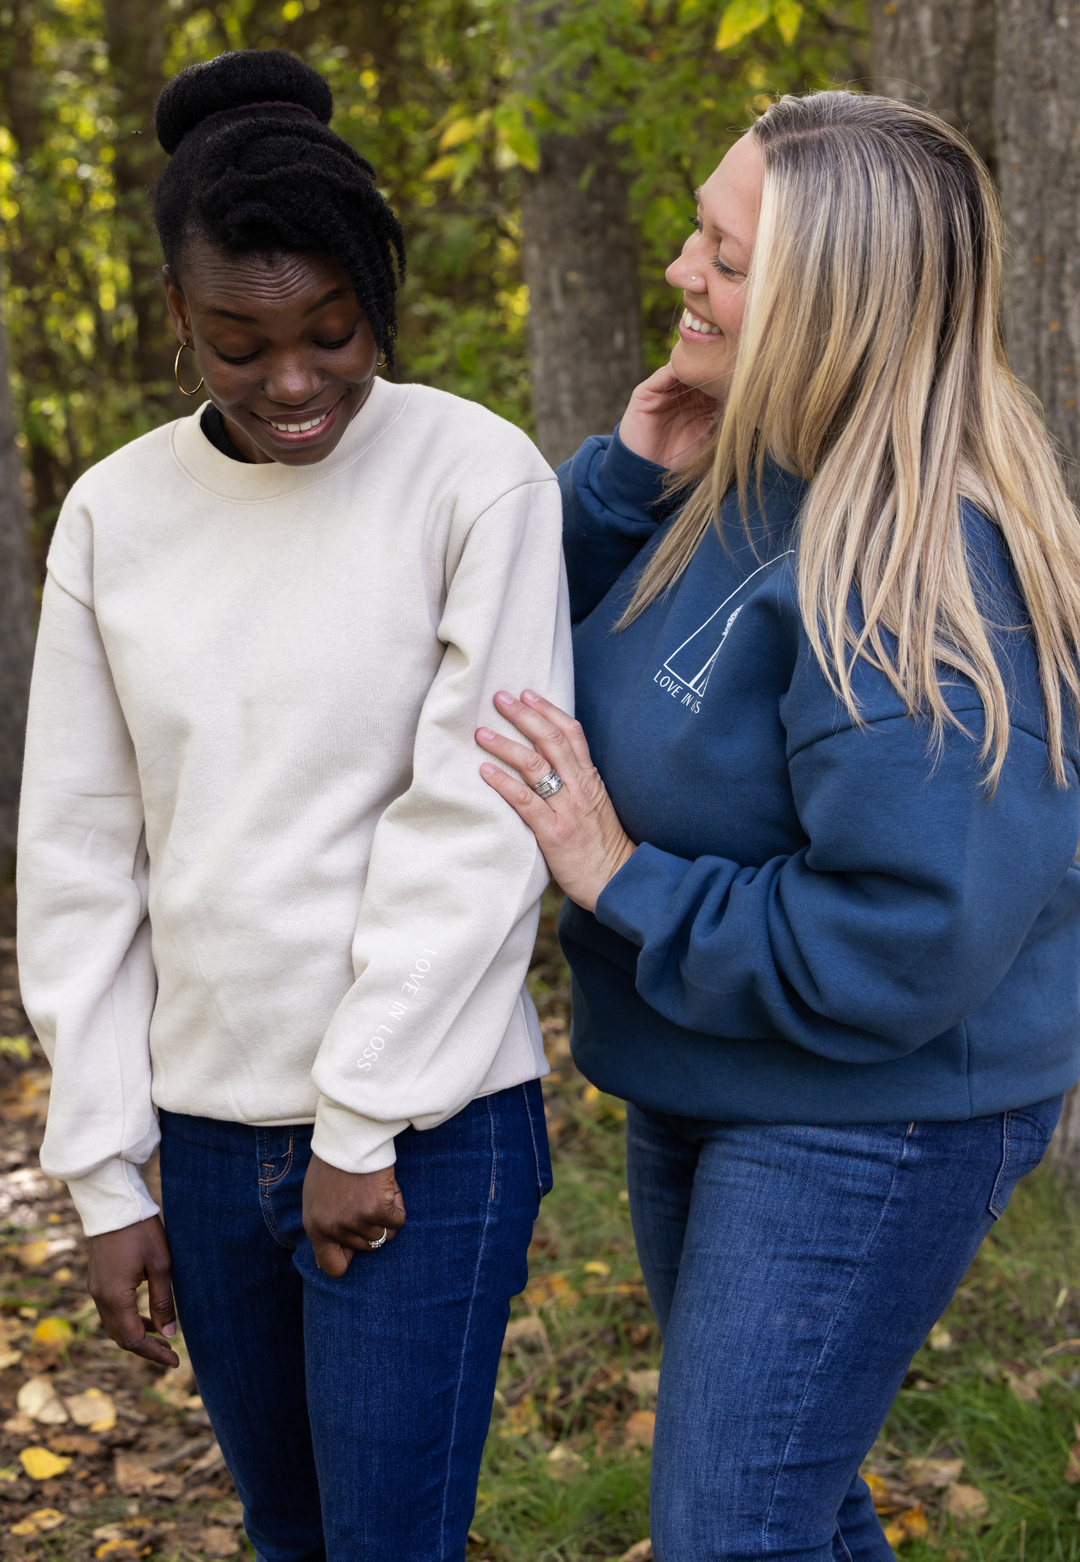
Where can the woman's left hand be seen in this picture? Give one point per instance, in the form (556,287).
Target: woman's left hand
(577,829)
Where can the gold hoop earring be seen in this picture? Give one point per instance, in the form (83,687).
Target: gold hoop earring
(176,372)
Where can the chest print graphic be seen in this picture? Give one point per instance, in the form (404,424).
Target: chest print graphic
(685,674)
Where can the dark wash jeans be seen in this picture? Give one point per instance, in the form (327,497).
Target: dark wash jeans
(794,1272)
(352,1413)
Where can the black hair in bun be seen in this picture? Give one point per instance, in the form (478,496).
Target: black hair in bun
(256,170)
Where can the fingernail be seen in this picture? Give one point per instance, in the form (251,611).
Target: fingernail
(169,1330)
(530,695)
(489,770)
(502,698)
(485,733)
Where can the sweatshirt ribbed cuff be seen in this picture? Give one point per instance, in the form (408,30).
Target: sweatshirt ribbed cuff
(629,481)
(628,903)
(112,1197)
(353,1143)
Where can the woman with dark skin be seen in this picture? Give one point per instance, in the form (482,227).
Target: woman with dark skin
(269,915)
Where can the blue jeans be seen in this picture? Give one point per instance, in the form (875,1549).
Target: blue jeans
(794,1272)
(352,1413)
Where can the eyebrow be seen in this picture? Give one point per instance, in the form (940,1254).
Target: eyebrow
(327,298)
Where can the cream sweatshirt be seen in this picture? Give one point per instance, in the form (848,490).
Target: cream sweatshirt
(260,878)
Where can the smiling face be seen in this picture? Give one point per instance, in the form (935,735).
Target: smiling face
(286,352)
(711,271)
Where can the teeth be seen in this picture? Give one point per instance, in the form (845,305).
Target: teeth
(298,428)
(692,323)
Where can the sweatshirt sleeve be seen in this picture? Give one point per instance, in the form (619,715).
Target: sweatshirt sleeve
(451,900)
(85,967)
(898,919)
(613,502)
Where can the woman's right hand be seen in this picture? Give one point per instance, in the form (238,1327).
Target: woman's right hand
(119,1263)
(667,421)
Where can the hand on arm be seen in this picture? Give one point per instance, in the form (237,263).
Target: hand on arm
(119,1263)
(666,421)
(577,829)
(348,1212)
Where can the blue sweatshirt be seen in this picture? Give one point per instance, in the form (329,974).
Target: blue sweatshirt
(822,923)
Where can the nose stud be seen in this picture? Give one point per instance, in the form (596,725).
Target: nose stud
(693,279)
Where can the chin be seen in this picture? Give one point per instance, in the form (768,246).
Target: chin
(694,369)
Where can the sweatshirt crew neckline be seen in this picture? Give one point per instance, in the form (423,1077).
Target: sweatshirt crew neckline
(257,481)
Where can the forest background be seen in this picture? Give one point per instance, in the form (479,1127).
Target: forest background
(543,159)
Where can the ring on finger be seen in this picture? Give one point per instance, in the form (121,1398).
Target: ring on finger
(551,784)
(373,1245)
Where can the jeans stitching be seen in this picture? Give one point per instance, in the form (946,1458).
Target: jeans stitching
(825,1343)
(1006,1148)
(488,1216)
(266,1183)
(532,1136)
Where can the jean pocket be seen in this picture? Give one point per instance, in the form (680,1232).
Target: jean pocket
(534,1106)
(1025,1134)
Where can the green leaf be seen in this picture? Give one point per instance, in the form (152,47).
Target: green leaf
(788,15)
(740,18)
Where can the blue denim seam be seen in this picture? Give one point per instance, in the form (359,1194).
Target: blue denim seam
(532,1135)
(825,1343)
(465,1337)
(266,1183)
(1006,1147)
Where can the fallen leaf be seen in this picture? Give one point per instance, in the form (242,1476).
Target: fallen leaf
(913,1522)
(642,1552)
(62,1276)
(47,1518)
(74,1443)
(939,1338)
(107,1532)
(209,1460)
(529,1333)
(10,1358)
(563,1461)
(894,1535)
(646,1383)
(53,1333)
(41,1465)
(1072,1467)
(93,1409)
(133,1477)
(33,1254)
(965,1502)
(19,1426)
(933,1472)
(118,1548)
(879,1490)
(24,1527)
(640,1429)
(218,1542)
(1026,1387)
(553,1288)
(39,1400)
(596,1267)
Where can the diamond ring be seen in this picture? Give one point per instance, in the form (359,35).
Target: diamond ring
(373,1245)
(551,784)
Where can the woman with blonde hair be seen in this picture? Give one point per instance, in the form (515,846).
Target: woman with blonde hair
(824,916)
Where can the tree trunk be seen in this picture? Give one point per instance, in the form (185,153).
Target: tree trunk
(16,616)
(939,54)
(580,259)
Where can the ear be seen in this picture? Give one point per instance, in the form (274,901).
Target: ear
(177,307)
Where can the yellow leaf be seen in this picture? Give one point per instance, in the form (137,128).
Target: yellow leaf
(590,1094)
(26,1527)
(53,1332)
(118,1549)
(879,1490)
(894,1535)
(788,15)
(442,168)
(33,1254)
(41,1465)
(740,18)
(913,1521)
(595,1267)
(47,1518)
(456,132)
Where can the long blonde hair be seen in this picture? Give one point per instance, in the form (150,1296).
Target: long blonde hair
(870,363)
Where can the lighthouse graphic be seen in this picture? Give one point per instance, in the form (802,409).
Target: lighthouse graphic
(693,661)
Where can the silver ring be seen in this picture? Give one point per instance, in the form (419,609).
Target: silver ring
(551,784)
(373,1245)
